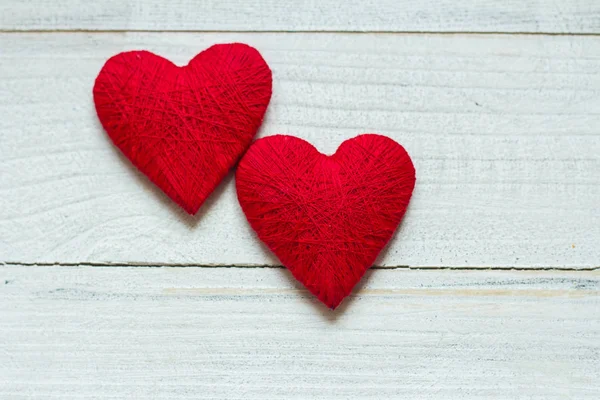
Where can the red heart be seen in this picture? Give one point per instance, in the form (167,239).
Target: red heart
(184,127)
(325,217)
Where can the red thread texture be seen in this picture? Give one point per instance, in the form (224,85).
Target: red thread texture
(325,217)
(184,127)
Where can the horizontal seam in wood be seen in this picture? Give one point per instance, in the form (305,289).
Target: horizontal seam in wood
(105,31)
(190,265)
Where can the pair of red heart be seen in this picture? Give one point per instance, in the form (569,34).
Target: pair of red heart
(325,217)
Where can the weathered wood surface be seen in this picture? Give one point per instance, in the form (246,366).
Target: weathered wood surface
(503,130)
(253,333)
(533,16)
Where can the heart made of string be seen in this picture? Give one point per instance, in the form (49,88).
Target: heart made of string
(184,127)
(325,217)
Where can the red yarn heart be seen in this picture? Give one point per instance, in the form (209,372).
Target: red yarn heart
(325,217)
(184,127)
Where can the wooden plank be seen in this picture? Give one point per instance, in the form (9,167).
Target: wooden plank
(231,333)
(503,131)
(566,16)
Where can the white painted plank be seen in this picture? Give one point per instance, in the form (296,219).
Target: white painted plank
(565,16)
(504,132)
(218,333)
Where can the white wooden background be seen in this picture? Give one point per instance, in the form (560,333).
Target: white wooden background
(490,289)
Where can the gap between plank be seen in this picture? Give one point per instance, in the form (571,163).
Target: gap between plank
(108,31)
(191,265)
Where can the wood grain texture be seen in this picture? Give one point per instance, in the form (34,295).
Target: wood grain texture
(565,16)
(503,131)
(202,333)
